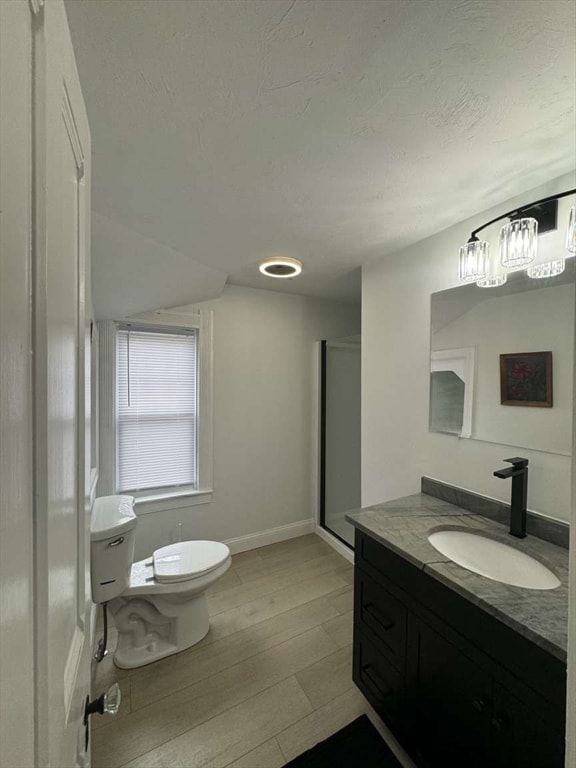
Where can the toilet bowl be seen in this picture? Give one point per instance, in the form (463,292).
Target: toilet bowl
(159,604)
(164,609)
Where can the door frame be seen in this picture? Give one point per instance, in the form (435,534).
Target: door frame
(343,546)
(17,644)
(571,687)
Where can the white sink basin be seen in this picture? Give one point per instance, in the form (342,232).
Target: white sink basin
(494,560)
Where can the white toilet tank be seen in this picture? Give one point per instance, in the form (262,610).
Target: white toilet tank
(112,537)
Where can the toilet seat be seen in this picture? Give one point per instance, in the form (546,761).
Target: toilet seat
(188,560)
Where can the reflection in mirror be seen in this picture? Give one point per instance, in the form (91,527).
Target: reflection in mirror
(522,316)
(452,391)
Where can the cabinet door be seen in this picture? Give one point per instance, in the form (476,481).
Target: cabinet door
(450,702)
(522,738)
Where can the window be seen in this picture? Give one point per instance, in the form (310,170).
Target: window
(155,396)
(156,408)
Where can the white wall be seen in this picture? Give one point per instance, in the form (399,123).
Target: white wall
(534,321)
(397,448)
(132,273)
(265,373)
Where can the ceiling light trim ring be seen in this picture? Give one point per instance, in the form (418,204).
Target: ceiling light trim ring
(282,267)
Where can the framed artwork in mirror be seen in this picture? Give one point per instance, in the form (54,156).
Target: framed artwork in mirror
(526,379)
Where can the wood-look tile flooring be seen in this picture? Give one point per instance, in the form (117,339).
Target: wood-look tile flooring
(272,677)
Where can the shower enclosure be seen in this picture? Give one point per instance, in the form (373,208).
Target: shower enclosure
(339,435)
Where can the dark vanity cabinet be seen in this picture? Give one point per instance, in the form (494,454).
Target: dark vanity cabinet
(456,686)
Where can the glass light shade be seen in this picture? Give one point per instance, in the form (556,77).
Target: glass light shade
(571,236)
(518,242)
(473,260)
(495,272)
(492,281)
(548,269)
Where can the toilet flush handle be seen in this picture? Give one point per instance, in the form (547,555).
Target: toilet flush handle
(107,703)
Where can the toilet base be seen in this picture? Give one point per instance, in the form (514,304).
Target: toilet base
(147,634)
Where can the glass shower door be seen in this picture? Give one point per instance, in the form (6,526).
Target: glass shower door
(340,435)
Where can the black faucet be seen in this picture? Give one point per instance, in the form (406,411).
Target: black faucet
(519,474)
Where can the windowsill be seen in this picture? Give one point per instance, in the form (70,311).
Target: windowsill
(146,503)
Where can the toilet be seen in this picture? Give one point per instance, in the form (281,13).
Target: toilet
(159,604)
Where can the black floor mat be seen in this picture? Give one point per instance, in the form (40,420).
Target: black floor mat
(358,745)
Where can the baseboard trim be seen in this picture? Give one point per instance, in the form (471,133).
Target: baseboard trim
(270,536)
(342,549)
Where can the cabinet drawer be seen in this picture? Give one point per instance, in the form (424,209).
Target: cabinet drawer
(377,678)
(379,612)
(378,561)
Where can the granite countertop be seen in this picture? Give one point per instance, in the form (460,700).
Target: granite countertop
(403,525)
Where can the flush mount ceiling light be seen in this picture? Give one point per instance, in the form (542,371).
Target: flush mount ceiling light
(280,266)
(518,244)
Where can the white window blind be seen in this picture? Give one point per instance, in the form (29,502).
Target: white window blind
(156,409)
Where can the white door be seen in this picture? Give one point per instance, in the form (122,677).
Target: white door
(56,306)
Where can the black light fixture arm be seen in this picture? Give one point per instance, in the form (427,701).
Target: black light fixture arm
(548,199)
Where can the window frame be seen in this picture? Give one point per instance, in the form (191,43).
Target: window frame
(172,497)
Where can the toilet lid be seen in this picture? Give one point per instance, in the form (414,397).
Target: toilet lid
(188,559)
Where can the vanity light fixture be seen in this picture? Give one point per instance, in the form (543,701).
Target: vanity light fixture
(518,244)
(280,266)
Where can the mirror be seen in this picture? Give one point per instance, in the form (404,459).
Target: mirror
(476,393)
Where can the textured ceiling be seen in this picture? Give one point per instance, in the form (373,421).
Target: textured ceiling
(335,131)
